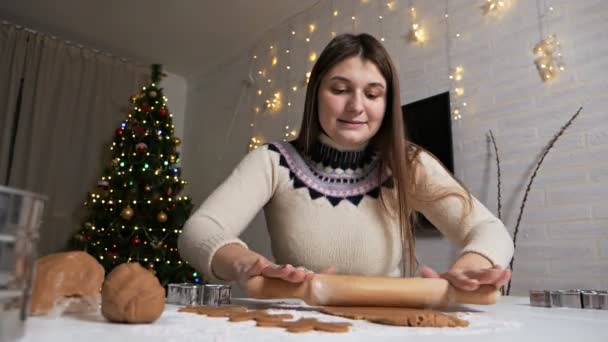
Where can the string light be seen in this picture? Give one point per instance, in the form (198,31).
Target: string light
(548,58)
(548,55)
(255,143)
(494,6)
(417,33)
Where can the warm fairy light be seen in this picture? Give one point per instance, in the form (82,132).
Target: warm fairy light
(259,91)
(307,40)
(255,143)
(336,13)
(293,33)
(456,114)
(312,28)
(275,103)
(459,91)
(548,58)
(417,33)
(494,6)
(312,57)
(307,76)
(391,5)
(294,88)
(457,74)
(275,60)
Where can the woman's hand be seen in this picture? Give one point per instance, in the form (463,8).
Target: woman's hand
(263,267)
(470,280)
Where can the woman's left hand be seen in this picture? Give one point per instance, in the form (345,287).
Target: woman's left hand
(470,280)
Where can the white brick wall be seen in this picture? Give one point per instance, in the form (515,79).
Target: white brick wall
(563,239)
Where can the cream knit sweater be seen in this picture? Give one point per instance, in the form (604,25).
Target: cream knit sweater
(324,210)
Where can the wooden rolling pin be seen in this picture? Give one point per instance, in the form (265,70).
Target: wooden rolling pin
(348,290)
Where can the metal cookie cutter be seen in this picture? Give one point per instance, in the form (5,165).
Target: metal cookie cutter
(184,294)
(215,295)
(174,293)
(540,298)
(566,299)
(595,299)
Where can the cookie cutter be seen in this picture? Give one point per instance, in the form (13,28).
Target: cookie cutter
(566,299)
(578,299)
(595,299)
(216,295)
(540,298)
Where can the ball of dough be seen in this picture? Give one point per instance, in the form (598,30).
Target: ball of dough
(132,294)
(62,275)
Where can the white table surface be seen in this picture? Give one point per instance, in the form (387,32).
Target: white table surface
(513,320)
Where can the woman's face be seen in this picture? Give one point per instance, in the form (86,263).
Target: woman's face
(352,101)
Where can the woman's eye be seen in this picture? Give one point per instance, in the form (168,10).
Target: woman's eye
(372,96)
(339,91)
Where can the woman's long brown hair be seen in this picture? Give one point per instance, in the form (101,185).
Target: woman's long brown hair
(397,155)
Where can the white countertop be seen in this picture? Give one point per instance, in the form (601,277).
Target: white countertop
(512,320)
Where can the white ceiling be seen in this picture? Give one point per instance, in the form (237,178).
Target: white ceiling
(188,37)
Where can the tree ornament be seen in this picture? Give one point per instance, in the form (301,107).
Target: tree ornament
(145,107)
(127,213)
(156,244)
(163,112)
(161,217)
(103,184)
(148,188)
(141,147)
(172,158)
(133,98)
(120,132)
(152,93)
(169,191)
(88,225)
(177,141)
(136,240)
(139,131)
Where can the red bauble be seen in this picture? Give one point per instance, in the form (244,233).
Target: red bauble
(139,130)
(120,132)
(163,111)
(146,108)
(136,240)
(141,147)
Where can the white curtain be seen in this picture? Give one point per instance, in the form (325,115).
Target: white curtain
(73,99)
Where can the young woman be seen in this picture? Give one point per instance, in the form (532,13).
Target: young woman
(341,197)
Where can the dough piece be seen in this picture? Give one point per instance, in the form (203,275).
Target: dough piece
(397,316)
(265,319)
(63,275)
(214,311)
(132,294)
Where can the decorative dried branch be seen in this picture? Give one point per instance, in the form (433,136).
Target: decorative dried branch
(498,174)
(529,186)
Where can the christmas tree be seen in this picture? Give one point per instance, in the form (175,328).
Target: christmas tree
(136,213)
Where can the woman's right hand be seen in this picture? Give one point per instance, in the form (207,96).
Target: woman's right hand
(287,272)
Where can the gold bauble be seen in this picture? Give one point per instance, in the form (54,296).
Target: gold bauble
(178,141)
(161,217)
(127,213)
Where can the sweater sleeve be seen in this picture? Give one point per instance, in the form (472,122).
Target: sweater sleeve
(228,210)
(479,231)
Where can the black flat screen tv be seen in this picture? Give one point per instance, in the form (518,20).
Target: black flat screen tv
(429,124)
